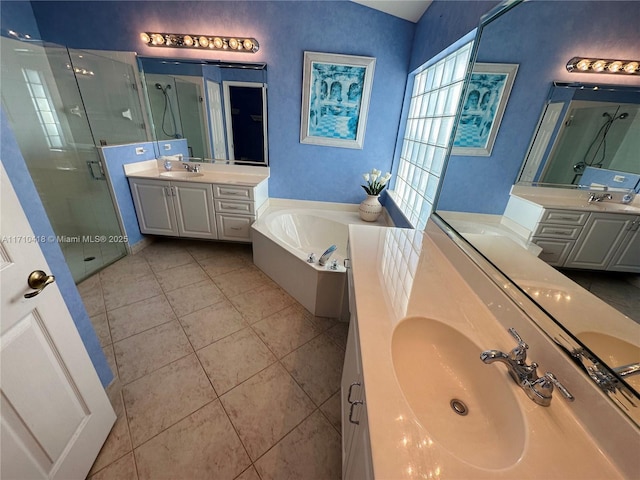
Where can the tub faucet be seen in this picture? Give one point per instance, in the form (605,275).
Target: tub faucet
(538,389)
(326,255)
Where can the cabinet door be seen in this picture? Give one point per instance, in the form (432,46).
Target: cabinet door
(234,227)
(350,386)
(600,238)
(194,210)
(554,252)
(627,257)
(359,464)
(154,206)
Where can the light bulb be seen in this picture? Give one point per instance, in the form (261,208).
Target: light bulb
(583,65)
(157,39)
(233,43)
(615,66)
(248,44)
(217,42)
(598,65)
(204,41)
(145,37)
(631,67)
(187,40)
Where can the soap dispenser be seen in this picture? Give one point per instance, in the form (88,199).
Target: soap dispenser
(168,165)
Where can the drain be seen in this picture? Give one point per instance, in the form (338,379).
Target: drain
(459,407)
(88,259)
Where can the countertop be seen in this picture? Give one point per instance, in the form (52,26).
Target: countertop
(400,273)
(211,173)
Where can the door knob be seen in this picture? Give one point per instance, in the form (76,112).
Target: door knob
(38,280)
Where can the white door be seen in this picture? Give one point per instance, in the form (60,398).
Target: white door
(55,415)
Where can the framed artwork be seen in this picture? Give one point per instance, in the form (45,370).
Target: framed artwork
(483,107)
(335,99)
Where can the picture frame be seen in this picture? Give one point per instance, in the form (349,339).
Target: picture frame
(483,107)
(336,90)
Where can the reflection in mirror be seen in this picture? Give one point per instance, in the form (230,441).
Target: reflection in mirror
(536,236)
(587,134)
(192,100)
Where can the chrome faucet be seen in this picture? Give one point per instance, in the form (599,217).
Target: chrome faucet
(538,389)
(628,370)
(594,197)
(326,255)
(191,168)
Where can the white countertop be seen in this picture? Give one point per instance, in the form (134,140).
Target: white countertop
(400,273)
(211,173)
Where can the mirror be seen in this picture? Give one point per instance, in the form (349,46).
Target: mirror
(474,195)
(587,133)
(217,109)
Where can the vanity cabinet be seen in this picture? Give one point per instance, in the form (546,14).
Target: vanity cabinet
(196,209)
(607,242)
(356,446)
(175,209)
(556,234)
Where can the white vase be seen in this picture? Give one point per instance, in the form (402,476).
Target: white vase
(370,208)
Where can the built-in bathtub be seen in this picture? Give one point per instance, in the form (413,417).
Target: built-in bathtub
(285,235)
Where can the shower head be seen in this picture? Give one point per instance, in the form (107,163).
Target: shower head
(158,86)
(622,116)
(605,114)
(168,87)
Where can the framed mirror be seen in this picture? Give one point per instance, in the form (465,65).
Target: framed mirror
(475,194)
(208,110)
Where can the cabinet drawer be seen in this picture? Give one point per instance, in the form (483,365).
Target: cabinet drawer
(234,227)
(564,217)
(240,208)
(231,191)
(554,252)
(558,231)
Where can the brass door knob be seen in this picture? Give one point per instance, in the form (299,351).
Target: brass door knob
(38,280)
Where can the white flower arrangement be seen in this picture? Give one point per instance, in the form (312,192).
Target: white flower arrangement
(375,182)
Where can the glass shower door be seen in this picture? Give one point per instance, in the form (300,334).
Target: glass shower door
(43,104)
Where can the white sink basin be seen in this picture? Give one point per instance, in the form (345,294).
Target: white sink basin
(435,365)
(181,174)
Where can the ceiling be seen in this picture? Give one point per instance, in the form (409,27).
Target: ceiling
(411,10)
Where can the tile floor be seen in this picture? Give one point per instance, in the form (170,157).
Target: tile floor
(620,290)
(224,374)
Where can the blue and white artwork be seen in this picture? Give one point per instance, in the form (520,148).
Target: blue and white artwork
(483,106)
(334,102)
(335,99)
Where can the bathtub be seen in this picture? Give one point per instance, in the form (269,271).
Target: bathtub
(285,235)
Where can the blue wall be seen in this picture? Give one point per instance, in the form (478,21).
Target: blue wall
(34,210)
(285,30)
(540,36)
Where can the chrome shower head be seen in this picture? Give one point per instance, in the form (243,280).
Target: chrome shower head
(158,86)
(622,116)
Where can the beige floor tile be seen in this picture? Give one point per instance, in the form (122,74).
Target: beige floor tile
(217,264)
(194,297)
(261,302)
(202,446)
(323,323)
(241,281)
(140,316)
(286,330)
(130,289)
(181,276)
(91,292)
(101,326)
(317,367)
(147,351)
(123,270)
(212,323)
(118,442)
(256,408)
(311,451)
(249,474)
(122,469)
(332,409)
(171,259)
(200,250)
(232,360)
(111,359)
(338,333)
(165,396)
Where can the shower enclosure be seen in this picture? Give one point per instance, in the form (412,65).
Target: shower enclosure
(594,134)
(60,104)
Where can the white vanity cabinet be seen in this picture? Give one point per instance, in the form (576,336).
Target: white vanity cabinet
(608,242)
(175,209)
(356,446)
(235,207)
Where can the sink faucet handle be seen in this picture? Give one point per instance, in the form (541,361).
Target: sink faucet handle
(545,386)
(519,353)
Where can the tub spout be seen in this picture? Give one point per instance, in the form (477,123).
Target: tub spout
(326,255)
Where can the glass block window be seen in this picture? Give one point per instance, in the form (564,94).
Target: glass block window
(45,109)
(432,110)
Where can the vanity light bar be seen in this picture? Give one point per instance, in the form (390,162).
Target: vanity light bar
(209,42)
(596,65)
